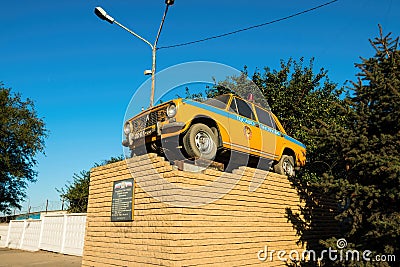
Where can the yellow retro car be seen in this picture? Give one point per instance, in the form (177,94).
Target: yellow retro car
(204,130)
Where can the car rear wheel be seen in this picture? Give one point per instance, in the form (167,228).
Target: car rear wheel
(285,166)
(200,142)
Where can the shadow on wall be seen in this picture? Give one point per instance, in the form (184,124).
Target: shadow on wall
(316,220)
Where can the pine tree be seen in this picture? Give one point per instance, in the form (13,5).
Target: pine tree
(367,151)
(373,157)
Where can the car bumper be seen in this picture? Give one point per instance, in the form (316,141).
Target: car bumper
(164,129)
(172,127)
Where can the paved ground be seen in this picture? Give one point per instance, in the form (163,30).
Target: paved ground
(20,258)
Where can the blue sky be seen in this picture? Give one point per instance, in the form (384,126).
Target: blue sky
(82,72)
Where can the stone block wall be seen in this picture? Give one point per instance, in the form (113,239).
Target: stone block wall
(229,231)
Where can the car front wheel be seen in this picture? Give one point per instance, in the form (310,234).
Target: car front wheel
(285,166)
(200,142)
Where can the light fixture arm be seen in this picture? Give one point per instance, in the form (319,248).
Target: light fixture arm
(154,52)
(161,25)
(102,14)
(133,33)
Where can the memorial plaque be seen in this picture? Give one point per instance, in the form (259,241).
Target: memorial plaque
(122,204)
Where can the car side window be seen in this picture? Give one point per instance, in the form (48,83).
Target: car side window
(244,109)
(265,118)
(233,107)
(218,102)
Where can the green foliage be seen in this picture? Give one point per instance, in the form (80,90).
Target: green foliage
(76,193)
(241,86)
(22,136)
(366,151)
(301,98)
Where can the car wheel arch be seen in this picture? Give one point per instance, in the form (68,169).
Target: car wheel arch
(289,152)
(209,122)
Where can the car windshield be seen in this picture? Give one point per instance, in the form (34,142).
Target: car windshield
(219,101)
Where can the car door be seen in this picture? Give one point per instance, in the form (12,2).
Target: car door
(244,129)
(270,134)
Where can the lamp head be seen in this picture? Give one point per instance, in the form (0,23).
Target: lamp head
(102,14)
(169,2)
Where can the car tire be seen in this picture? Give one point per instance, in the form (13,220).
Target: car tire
(200,142)
(285,166)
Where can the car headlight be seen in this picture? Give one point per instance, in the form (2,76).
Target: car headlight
(127,128)
(171,111)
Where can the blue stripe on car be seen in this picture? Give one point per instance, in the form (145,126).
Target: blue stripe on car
(291,139)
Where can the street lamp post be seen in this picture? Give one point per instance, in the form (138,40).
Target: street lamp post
(102,14)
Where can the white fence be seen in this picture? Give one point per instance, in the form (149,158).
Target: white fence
(63,233)
(3,234)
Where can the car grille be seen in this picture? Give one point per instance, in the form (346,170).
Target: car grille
(148,120)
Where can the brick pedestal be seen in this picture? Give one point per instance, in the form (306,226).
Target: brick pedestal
(227,232)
